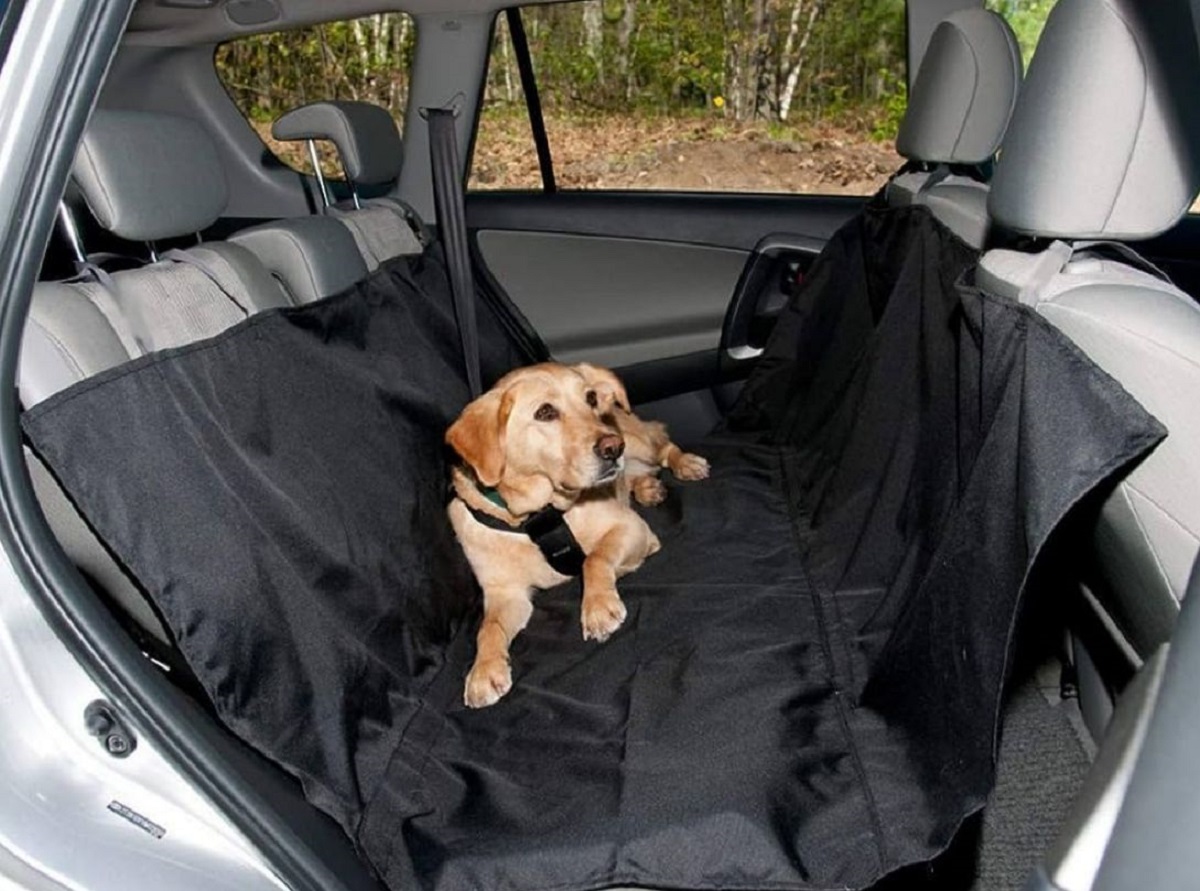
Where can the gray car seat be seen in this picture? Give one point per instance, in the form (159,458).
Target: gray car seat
(371,152)
(959,107)
(152,177)
(1114,156)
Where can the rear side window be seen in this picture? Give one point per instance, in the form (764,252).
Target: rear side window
(1027,18)
(691,95)
(366,59)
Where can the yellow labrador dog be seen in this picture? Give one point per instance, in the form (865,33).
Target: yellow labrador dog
(542,494)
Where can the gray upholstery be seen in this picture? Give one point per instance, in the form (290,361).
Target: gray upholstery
(1099,147)
(957,114)
(67,338)
(365,135)
(958,201)
(381,232)
(964,92)
(76,330)
(1145,333)
(371,151)
(147,176)
(311,257)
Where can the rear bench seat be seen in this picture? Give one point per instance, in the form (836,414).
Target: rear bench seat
(151,177)
(958,110)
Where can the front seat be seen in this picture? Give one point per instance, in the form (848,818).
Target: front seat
(1102,148)
(958,110)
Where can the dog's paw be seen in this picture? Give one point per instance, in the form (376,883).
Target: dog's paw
(649,490)
(602,615)
(690,467)
(487,682)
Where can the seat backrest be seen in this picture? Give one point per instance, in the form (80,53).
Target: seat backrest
(1114,156)
(145,177)
(371,154)
(958,110)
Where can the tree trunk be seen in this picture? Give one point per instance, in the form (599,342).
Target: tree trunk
(797,63)
(593,34)
(506,53)
(732,10)
(756,57)
(364,49)
(625,31)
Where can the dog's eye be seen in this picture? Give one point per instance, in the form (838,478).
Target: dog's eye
(546,412)
(591,398)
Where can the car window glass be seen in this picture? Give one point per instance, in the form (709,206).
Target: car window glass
(366,59)
(740,96)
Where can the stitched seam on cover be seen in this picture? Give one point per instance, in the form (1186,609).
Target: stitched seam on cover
(838,698)
(1137,518)
(970,105)
(295,242)
(59,346)
(1141,120)
(91,163)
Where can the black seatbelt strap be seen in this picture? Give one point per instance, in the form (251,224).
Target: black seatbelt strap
(533,102)
(452,227)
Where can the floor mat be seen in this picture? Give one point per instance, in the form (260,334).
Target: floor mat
(1040,768)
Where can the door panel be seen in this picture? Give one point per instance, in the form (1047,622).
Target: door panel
(615,301)
(635,278)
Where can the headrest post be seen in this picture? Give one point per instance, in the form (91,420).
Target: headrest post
(365,135)
(354,194)
(316,163)
(66,221)
(153,251)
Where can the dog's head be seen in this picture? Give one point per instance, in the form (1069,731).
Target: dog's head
(543,431)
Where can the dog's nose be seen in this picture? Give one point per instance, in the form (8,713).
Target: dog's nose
(610,446)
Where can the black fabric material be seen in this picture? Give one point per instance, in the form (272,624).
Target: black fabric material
(806,689)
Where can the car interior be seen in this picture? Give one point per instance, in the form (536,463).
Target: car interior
(1071,183)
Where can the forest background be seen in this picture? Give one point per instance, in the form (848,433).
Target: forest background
(729,95)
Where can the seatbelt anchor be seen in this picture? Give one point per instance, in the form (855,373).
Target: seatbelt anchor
(455,106)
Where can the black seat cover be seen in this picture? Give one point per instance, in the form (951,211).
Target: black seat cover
(806,690)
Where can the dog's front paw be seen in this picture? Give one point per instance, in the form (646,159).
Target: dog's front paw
(487,682)
(690,467)
(649,490)
(602,615)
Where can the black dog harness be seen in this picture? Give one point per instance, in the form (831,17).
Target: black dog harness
(547,529)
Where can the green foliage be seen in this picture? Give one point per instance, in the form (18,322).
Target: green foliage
(732,58)
(1027,18)
(890,109)
(366,59)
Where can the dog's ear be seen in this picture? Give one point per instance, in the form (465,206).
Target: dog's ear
(604,379)
(478,435)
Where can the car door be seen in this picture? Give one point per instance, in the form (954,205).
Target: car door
(660,244)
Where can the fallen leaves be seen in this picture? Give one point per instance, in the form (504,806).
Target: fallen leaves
(709,153)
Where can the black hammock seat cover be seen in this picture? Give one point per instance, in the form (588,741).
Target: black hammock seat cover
(805,693)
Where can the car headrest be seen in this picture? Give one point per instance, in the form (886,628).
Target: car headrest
(1104,140)
(965,91)
(148,175)
(365,135)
